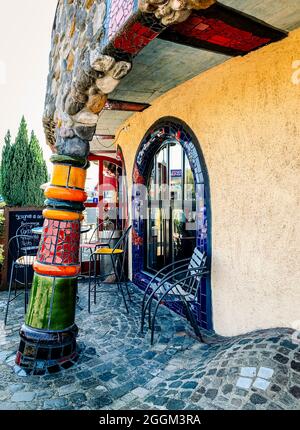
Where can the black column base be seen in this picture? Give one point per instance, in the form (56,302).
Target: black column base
(42,352)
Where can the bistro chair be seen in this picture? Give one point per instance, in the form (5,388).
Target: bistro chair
(21,255)
(117,255)
(176,282)
(107,228)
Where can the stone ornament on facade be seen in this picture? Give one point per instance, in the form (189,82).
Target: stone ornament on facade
(173,11)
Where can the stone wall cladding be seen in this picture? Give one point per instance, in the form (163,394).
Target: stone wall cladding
(82,71)
(73,100)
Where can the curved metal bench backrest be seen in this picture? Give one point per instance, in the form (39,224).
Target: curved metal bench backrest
(191,284)
(180,282)
(198,259)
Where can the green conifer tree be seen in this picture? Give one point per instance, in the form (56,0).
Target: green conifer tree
(20,166)
(6,182)
(37,174)
(23,169)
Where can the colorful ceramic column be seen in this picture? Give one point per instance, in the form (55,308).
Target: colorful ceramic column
(48,337)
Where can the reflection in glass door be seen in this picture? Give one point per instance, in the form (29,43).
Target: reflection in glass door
(171,208)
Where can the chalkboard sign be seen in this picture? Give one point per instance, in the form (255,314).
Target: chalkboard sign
(20,221)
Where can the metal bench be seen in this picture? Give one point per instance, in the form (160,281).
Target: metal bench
(176,282)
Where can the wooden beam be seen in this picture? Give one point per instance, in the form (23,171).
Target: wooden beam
(105,136)
(125,106)
(94,155)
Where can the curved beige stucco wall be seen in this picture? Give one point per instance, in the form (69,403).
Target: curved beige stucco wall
(246,115)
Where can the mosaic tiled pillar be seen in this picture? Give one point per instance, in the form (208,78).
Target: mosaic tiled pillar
(48,337)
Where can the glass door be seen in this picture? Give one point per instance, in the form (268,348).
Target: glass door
(157,224)
(170,227)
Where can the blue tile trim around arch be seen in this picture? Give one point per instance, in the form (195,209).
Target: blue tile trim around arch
(174,129)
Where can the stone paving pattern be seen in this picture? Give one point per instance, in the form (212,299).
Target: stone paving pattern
(118,368)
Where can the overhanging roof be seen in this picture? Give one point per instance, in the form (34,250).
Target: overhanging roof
(162,65)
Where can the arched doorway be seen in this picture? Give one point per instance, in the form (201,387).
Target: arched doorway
(171,206)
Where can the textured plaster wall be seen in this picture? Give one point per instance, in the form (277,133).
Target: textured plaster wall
(246,115)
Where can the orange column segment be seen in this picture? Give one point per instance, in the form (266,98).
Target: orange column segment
(60,193)
(68,176)
(62,215)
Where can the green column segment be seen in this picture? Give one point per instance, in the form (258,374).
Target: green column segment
(52,303)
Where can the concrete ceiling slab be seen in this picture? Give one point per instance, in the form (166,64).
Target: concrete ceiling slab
(284,14)
(162,65)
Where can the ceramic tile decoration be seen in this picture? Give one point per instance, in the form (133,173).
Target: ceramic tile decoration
(248,372)
(120,10)
(261,384)
(223,30)
(244,383)
(265,372)
(59,242)
(217,28)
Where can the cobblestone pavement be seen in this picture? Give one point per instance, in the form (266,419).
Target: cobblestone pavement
(118,369)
